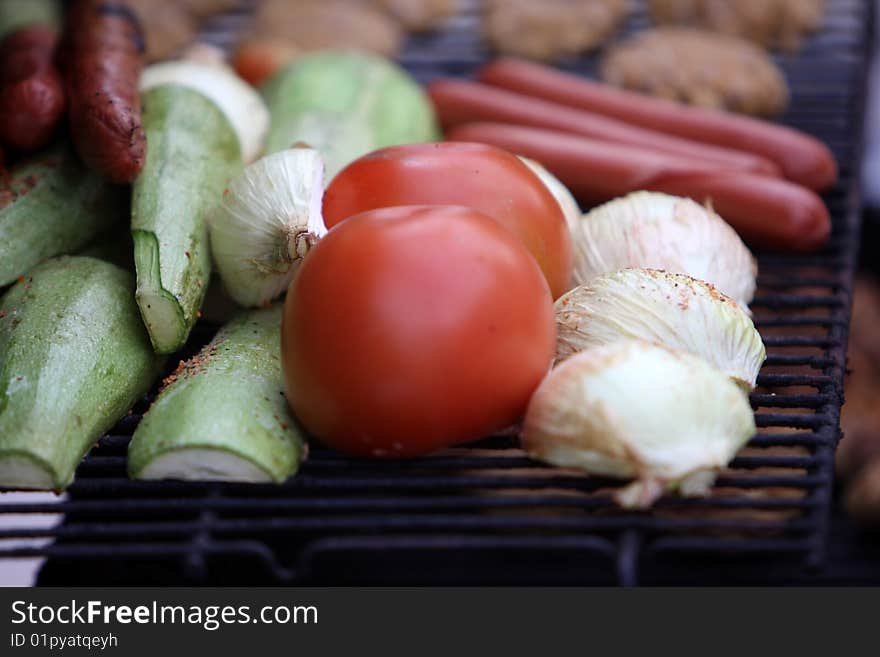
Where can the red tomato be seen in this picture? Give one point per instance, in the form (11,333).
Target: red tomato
(258,60)
(413,328)
(477,176)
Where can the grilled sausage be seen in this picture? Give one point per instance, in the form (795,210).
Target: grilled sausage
(31,92)
(102,58)
(802,158)
(768,212)
(459,101)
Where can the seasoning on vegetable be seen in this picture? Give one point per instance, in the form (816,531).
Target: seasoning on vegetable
(74,356)
(51,205)
(193,153)
(221,416)
(672,310)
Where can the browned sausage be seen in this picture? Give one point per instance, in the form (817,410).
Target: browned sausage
(802,158)
(460,101)
(102,61)
(768,212)
(31,93)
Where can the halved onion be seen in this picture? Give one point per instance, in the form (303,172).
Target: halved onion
(659,231)
(673,310)
(634,410)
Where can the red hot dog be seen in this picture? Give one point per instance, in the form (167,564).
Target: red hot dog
(31,92)
(767,212)
(102,58)
(802,158)
(460,101)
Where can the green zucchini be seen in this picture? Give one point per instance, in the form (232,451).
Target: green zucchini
(346,104)
(223,416)
(74,357)
(193,151)
(53,206)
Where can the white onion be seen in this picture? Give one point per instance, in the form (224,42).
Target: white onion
(268,219)
(633,410)
(673,310)
(569,205)
(659,231)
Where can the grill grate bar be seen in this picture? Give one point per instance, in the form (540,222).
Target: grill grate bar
(818,380)
(792,401)
(332,468)
(372,524)
(794,439)
(386,480)
(167,508)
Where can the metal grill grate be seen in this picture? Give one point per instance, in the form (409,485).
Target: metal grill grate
(485,513)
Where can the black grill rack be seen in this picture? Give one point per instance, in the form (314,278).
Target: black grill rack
(485,514)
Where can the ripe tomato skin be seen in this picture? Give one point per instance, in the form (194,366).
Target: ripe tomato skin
(409,329)
(256,60)
(478,176)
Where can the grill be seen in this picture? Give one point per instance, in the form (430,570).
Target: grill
(486,514)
